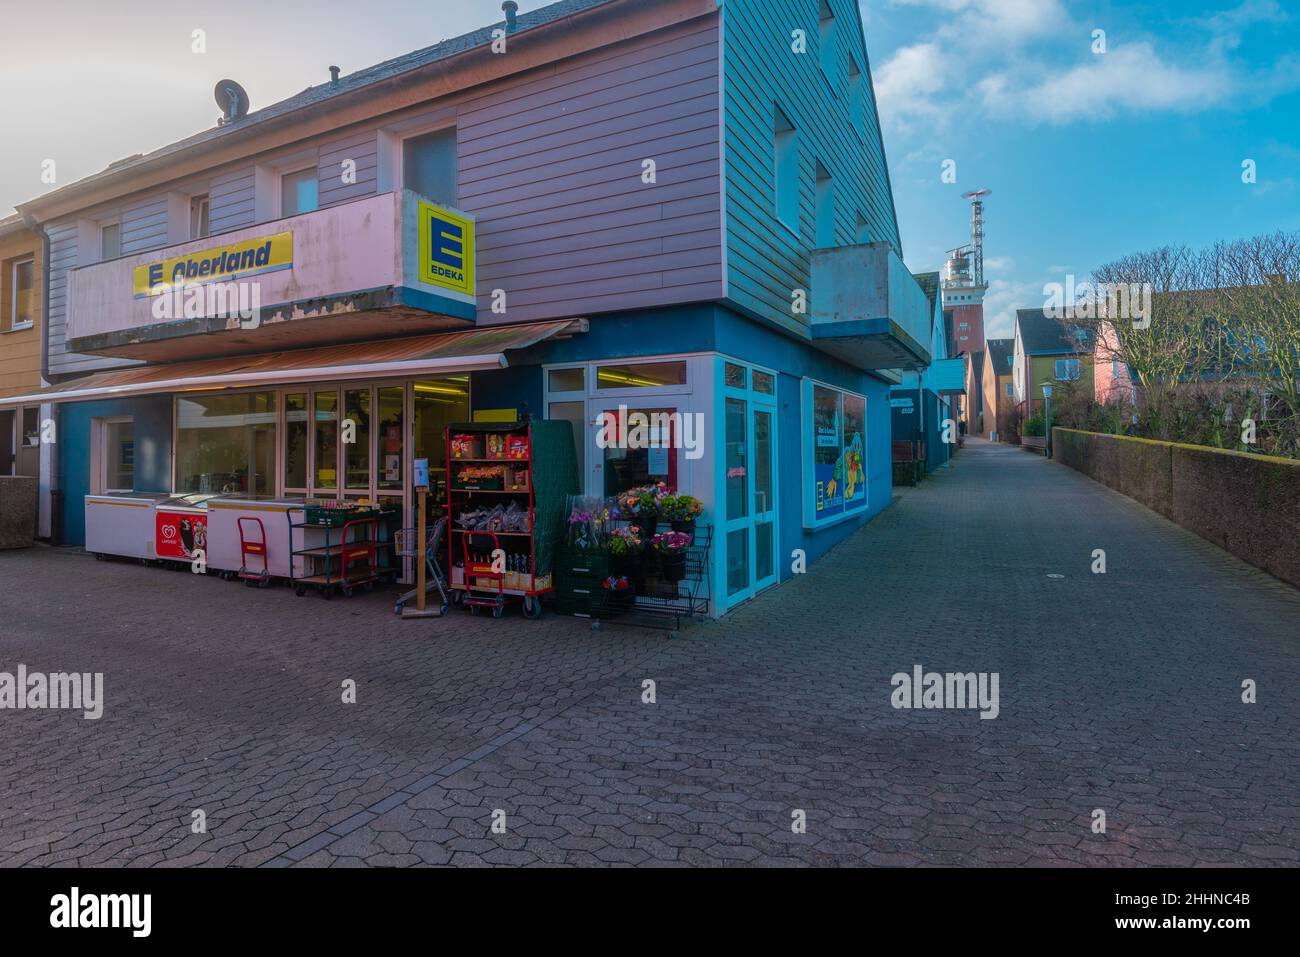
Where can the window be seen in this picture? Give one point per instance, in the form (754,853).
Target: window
(862,231)
(110,241)
(786,169)
(1114,368)
(326,421)
(857,110)
(296,431)
(825,208)
(963,325)
(1011,389)
(733,375)
(826,38)
(23,278)
(118,455)
(31,427)
(226,443)
(298,192)
(199,216)
(356,439)
(567,380)
(764,382)
(572,412)
(836,426)
(429,166)
(642,375)
(1067,369)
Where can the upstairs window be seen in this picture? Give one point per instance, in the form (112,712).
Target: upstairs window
(786,162)
(429,166)
(110,241)
(826,46)
(199,216)
(862,230)
(825,208)
(23,282)
(1067,369)
(298,192)
(857,111)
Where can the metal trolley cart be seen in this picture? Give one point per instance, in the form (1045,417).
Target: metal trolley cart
(507,483)
(252,552)
(340,549)
(408,546)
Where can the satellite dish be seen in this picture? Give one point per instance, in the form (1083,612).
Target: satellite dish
(232,99)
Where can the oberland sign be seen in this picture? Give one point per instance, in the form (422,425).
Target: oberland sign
(248,257)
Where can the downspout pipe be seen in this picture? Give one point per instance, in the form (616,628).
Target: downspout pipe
(56,505)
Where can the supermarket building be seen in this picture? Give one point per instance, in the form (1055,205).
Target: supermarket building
(679,206)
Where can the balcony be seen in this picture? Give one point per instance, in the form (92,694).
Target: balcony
(868,310)
(392,264)
(946,376)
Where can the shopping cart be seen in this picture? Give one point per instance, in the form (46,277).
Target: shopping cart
(408,546)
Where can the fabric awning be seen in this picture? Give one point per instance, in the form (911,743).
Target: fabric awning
(448,352)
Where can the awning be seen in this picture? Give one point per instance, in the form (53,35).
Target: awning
(449,352)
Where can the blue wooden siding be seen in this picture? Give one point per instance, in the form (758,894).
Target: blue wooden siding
(765,260)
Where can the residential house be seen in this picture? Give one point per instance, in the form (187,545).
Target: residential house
(1052,351)
(998,387)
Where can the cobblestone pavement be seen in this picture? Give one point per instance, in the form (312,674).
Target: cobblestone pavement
(1119,691)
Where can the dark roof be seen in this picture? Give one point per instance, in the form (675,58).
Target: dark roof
(347,84)
(1000,351)
(1042,335)
(929,283)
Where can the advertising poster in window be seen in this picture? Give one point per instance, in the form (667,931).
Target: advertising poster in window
(839,460)
(828,493)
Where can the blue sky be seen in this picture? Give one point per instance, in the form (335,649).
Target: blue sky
(1089,156)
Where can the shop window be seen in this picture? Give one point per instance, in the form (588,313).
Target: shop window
(392,416)
(296,431)
(31,427)
(437,404)
(225,444)
(733,376)
(429,166)
(118,455)
(837,429)
(23,283)
(785,149)
(643,375)
(110,241)
(326,422)
(298,192)
(356,439)
(737,561)
(573,413)
(737,477)
(764,382)
(199,221)
(653,460)
(567,380)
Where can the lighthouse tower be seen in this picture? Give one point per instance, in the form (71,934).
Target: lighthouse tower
(963,289)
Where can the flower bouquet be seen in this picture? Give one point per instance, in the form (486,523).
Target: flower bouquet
(681,511)
(671,548)
(626,546)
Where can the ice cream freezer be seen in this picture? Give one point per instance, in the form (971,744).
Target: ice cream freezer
(123,524)
(265,520)
(181,527)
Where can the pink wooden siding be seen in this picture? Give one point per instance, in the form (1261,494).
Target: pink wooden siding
(551,164)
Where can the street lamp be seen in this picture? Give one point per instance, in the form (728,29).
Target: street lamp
(1047,418)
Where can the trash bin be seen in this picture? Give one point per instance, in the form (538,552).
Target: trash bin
(17,511)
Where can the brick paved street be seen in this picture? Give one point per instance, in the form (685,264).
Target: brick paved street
(1118,691)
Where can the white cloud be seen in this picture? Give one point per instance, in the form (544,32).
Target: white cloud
(1132,77)
(1003,298)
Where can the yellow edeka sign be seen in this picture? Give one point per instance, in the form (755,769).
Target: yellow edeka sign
(446,249)
(235,261)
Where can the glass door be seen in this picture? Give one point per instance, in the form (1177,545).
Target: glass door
(749,540)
